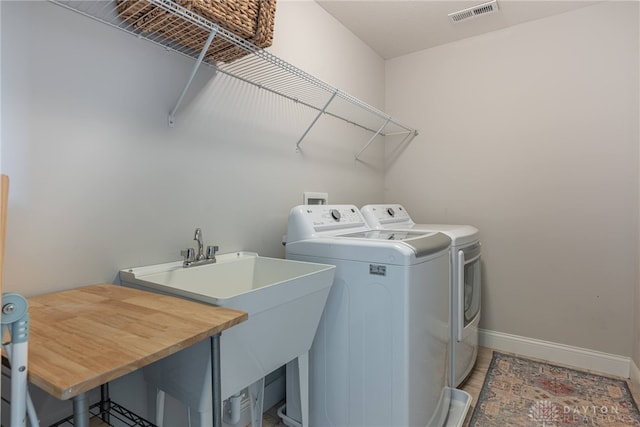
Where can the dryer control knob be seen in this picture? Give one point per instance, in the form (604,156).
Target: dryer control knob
(335,214)
(391,212)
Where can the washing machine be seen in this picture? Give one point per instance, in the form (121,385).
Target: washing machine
(380,356)
(465,280)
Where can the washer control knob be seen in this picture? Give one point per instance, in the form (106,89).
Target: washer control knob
(391,212)
(335,214)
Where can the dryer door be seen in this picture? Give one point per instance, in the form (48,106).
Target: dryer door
(469,281)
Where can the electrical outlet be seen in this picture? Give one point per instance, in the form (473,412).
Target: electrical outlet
(315,198)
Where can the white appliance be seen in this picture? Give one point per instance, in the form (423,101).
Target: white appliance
(380,356)
(465,280)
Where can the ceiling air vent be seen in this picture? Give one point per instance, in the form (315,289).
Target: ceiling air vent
(472,12)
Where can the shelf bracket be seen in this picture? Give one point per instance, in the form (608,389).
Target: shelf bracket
(373,138)
(321,112)
(193,74)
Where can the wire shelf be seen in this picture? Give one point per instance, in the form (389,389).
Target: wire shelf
(258,67)
(109,412)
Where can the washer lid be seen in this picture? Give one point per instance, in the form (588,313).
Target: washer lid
(459,234)
(387,234)
(421,242)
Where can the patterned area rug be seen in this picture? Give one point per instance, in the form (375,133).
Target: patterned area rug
(520,392)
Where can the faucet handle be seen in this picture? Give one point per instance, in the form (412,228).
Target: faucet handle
(211,252)
(188,254)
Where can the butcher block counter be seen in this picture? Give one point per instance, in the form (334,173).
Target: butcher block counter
(85,337)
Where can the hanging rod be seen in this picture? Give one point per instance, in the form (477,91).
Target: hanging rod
(259,67)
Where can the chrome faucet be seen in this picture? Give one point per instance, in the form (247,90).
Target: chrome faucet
(191,259)
(198,238)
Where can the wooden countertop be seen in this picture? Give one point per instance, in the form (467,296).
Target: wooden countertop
(85,337)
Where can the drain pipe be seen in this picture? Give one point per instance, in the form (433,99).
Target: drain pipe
(288,421)
(235,410)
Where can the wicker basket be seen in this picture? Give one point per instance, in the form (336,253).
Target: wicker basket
(250,19)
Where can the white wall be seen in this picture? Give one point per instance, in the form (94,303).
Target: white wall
(100,182)
(531,134)
(636,348)
(635,365)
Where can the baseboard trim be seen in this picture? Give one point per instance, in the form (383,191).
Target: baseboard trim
(635,376)
(582,358)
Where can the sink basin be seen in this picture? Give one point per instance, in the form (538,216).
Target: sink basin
(284,299)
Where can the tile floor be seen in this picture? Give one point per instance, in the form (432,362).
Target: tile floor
(472,385)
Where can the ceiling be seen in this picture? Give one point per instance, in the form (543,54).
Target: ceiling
(398,27)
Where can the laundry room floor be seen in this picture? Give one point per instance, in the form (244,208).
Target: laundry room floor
(473,386)
(271,418)
(474,382)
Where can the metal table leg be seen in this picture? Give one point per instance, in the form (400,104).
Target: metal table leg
(216,391)
(81,410)
(105,403)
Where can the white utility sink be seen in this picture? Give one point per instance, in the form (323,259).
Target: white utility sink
(284,300)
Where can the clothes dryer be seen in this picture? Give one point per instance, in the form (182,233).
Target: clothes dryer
(380,356)
(465,280)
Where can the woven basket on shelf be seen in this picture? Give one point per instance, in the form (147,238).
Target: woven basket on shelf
(250,19)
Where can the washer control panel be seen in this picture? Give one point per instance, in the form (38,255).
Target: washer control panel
(376,215)
(307,221)
(332,215)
